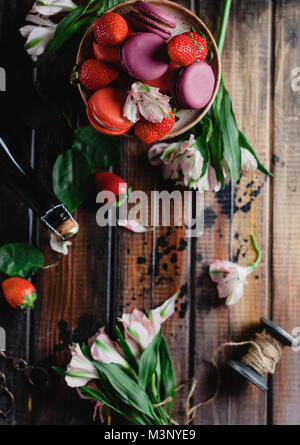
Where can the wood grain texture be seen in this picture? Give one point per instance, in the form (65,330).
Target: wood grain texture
(286,208)
(250,91)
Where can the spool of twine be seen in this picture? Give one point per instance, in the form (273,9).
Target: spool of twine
(263,355)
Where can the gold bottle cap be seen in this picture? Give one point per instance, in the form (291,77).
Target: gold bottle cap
(67,229)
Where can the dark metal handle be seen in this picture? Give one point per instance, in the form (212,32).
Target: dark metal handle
(4,390)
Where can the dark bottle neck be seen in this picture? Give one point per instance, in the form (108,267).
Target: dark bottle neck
(22,179)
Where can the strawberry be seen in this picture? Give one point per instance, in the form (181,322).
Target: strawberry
(149,132)
(95,75)
(106,181)
(110,29)
(19,293)
(200,43)
(182,50)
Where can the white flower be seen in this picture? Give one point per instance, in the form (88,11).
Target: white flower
(51,7)
(183,162)
(146,101)
(38,35)
(104,350)
(142,329)
(248,160)
(80,370)
(231,277)
(60,247)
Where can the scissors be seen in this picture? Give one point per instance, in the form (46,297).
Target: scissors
(35,375)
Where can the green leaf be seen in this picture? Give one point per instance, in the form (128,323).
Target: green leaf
(201,143)
(127,388)
(20,260)
(66,28)
(230,137)
(107,4)
(59,370)
(243,141)
(216,151)
(167,371)
(101,150)
(148,361)
(128,354)
(71,178)
(126,412)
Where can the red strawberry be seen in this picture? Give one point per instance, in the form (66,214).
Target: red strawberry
(182,50)
(95,75)
(106,181)
(149,132)
(200,43)
(19,293)
(110,29)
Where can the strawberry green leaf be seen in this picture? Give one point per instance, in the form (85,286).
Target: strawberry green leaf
(20,260)
(101,150)
(71,178)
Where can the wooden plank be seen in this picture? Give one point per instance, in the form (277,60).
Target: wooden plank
(286,208)
(211,324)
(15,218)
(74,294)
(251,63)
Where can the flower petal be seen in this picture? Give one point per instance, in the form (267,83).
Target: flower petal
(59,247)
(133,225)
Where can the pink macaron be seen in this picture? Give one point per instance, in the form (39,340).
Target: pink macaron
(149,18)
(195,86)
(144,56)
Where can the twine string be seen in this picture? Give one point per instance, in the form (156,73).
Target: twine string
(263,355)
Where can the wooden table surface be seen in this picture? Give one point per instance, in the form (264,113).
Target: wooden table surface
(111,270)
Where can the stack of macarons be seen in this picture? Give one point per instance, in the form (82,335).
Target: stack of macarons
(145,48)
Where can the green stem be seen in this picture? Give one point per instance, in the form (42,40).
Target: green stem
(223,26)
(258,251)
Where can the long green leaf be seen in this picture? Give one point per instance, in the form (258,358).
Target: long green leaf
(128,389)
(167,371)
(243,141)
(128,354)
(71,178)
(230,137)
(148,361)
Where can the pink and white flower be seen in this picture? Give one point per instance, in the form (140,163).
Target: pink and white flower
(59,246)
(248,160)
(183,162)
(38,35)
(146,101)
(231,277)
(80,370)
(104,350)
(51,7)
(142,329)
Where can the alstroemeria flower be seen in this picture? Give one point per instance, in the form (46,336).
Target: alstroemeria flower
(248,160)
(104,350)
(143,329)
(231,277)
(146,101)
(80,370)
(59,246)
(51,7)
(38,35)
(183,162)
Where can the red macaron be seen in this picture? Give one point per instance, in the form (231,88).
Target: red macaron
(105,111)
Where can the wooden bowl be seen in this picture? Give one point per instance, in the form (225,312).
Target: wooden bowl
(185,19)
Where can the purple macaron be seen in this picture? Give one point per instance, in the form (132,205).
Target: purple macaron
(195,86)
(144,56)
(149,18)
